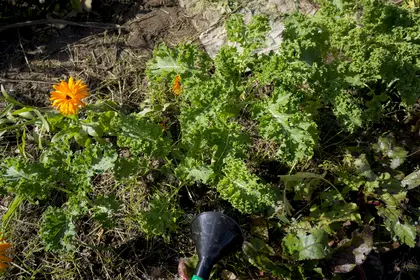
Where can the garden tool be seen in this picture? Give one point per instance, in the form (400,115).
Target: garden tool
(215,235)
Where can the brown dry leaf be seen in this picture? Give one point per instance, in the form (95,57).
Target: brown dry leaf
(352,252)
(227,275)
(100,233)
(259,227)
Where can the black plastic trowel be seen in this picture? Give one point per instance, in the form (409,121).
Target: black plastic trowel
(215,235)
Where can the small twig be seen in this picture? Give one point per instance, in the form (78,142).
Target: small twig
(71,55)
(61,21)
(24,53)
(21,268)
(166,12)
(142,18)
(413,153)
(4,80)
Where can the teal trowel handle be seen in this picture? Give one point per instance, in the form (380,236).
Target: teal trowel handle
(195,277)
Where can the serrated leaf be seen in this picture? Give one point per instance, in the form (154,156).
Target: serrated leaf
(257,252)
(200,174)
(363,168)
(412,180)
(57,230)
(244,190)
(388,148)
(105,207)
(78,205)
(193,169)
(290,244)
(384,144)
(94,159)
(302,183)
(183,58)
(161,218)
(347,110)
(397,156)
(333,212)
(250,36)
(406,233)
(126,167)
(293,131)
(30,180)
(106,162)
(14,175)
(307,246)
(141,135)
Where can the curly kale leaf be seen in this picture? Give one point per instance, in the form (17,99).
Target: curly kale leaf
(244,190)
(57,230)
(161,218)
(185,58)
(209,133)
(141,135)
(381,44)
(228,65)
(232,61)
(292,130)
(348,110)
(306,38)
(192,169)
(76,174)
(58,167)
(353,50)
(251,36)
(32,181)
(94,159)
(104,210)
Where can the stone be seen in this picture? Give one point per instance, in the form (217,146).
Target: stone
(208,18)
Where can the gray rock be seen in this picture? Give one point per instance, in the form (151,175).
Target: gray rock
(208,17)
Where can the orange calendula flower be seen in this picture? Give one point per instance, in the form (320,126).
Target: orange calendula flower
(177,88)
(67,96)
(4,250)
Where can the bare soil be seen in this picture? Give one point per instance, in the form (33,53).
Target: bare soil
(110,60)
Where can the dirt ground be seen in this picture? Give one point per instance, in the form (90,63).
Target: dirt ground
(111,59)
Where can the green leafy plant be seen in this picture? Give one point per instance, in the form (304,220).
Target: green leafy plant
(161,218)
(243,190)
(57,230)
(254,128)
